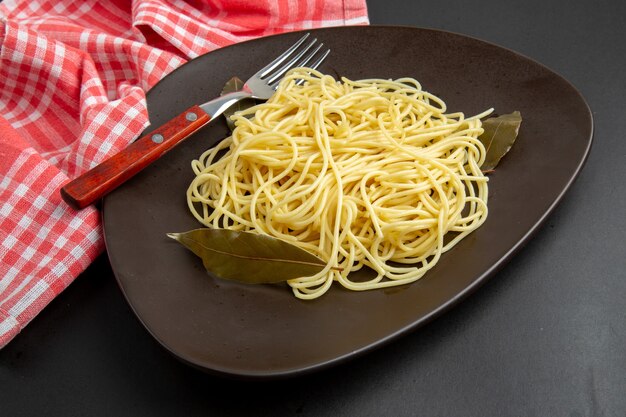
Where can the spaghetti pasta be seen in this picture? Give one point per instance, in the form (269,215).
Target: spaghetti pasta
(371,173)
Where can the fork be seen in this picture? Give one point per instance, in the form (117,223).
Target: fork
(113,172)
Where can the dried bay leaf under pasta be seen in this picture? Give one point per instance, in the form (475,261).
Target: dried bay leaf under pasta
(498,137)
(232,85)
(248,257)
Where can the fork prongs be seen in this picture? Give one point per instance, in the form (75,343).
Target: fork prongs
(296,61)
(315,63)
(298,55)
(319,60)
(281,58)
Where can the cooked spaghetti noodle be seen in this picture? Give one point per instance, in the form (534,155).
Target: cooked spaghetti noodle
(360,173)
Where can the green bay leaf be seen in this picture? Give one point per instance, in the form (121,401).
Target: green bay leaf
(249,257)
(498,137)
(232,85)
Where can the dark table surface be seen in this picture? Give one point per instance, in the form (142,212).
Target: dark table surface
(545,337)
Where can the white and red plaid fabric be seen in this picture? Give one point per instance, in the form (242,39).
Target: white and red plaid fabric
(73,77)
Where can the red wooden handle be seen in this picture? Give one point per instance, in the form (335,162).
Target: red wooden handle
(110,174)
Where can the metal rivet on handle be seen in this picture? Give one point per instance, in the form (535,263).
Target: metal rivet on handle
(191,116)
(157,138)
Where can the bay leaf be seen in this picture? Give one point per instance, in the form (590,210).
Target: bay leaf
(249,257)
(498,137)
(232,85)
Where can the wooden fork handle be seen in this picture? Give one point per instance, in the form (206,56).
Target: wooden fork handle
(113,172)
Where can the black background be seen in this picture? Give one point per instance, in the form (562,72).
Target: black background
(545,337)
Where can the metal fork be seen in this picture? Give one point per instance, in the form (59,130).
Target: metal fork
(110,174)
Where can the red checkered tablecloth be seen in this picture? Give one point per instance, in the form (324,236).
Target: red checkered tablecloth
(73,77)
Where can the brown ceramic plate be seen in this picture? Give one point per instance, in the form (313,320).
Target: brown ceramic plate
(263,331)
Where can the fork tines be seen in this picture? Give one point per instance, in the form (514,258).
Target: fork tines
(299,54)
